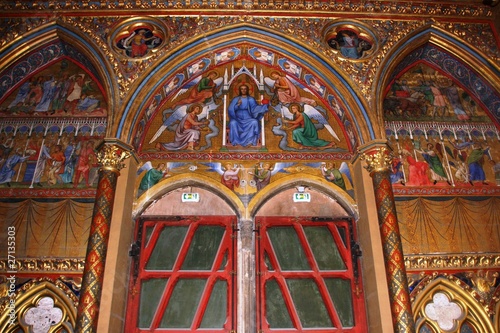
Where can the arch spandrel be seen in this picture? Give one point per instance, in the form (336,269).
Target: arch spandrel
(181,58)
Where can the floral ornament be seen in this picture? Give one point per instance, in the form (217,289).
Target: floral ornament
(444,312)
(43,316)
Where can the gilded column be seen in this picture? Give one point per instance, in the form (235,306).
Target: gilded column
(378,159)
(110,157)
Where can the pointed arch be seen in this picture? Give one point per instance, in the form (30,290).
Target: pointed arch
(182,56)
(436,48)
(456,292)
(67,42)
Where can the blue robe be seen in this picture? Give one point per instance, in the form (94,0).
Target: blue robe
(244,123)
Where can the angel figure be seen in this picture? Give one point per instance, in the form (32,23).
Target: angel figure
(304,132)
(230,174)
(152,176)
(202,89)
(286,91)
(188,131)
(336,176)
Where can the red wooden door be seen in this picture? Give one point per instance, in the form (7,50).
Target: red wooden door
(183,276)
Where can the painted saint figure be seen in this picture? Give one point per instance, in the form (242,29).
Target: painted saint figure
(152,177)
(304,132)
(287,92)
(245,115)
(261,175)
(7,171)
(188,132)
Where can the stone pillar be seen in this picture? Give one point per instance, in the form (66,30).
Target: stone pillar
(378,159)
(246,277)
(110,156)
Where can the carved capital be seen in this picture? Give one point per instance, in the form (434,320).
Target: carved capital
(377,159)
(112,154)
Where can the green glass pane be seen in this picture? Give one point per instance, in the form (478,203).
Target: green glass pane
(276,311)
(224,261)
(216,311)
(268,263)
(151,293)
(149,232)
(343,236)
(289,251)
(183,303)
(203,248)
(324,248)
(309,303)
(167,248)
(340,292)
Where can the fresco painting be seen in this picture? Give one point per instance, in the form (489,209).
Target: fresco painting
(50,155)
(430,155)
(63,89)
(246,107)
(425,94)
(245,179)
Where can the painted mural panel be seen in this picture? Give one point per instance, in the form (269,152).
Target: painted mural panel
(440,134)
(50,127)
(449,225)
(245,179)
(425,94)
(62,89)
(254,114)
(244,111)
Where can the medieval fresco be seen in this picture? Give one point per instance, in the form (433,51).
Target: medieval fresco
(60,90)
(251,103)
(50,128)
(350,40)
(245,179)
(246,108)
(425,94)
(439,133)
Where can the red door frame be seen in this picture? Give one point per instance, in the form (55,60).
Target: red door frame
(349,253)
(146,247)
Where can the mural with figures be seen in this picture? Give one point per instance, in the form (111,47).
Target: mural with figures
(253,105)
(51,124)
(439,132)
(245,105)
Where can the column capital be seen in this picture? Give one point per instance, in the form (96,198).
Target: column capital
(112,153)
(377,155)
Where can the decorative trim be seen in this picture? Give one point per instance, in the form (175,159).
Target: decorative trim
(245,7)
(46,265)
(446,262)
(112,154)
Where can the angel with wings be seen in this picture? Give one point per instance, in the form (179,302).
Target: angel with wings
(202,89)
(304,133)
(202,94)
(286,91)
(188,131)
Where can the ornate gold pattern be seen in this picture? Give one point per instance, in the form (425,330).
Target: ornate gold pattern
(478,309)
(429,8)
(307,30)
(377,159)
(443,262)
(111,157)
(47,265)
(52,287)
